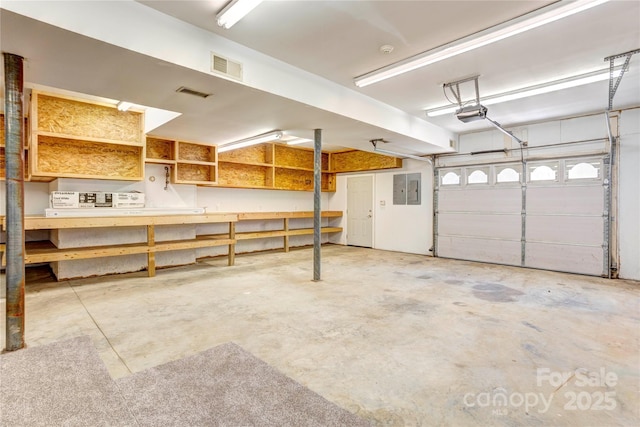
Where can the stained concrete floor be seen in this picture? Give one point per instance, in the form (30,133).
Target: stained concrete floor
(399,339)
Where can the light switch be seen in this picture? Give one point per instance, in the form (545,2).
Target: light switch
(383,202)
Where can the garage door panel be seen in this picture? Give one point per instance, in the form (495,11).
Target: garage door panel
(507,200)
(570,199)
(572,259)
(565,229)
(484,250)
(507,226)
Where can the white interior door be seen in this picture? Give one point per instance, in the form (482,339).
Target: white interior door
(360,211)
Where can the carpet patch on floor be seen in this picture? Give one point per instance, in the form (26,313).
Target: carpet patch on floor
(64,383)
(226,386)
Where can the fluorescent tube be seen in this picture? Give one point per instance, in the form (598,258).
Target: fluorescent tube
(235,11)
(526,92)
(532,20)
(259,139)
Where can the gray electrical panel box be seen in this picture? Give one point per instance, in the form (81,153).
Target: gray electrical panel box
(413,189)
(406,189)
(400,189)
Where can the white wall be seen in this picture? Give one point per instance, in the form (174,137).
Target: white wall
(402,228)
(629,195)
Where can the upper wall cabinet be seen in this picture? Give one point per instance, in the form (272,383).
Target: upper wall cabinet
(75,138)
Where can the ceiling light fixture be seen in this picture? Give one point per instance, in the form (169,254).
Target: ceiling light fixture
(296,141)
(235,11)
(258,139)
(375,142)
(124,105)
(527,22)
(526,92)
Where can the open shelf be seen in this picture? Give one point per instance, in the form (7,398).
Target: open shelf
(75,138)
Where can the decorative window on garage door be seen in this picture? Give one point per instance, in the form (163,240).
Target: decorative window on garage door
(508,174)
(582,169)
(450,177)
(543,171)
(478,175)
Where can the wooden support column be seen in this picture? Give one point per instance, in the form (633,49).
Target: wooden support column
(232,246)
(151,255)
(286,236)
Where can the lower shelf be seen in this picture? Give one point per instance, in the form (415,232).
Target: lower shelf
(39,252)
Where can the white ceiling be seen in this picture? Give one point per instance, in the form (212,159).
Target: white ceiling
(340,40)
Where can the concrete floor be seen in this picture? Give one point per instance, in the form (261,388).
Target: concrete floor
(399,339)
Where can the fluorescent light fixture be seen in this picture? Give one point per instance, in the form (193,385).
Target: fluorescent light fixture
(401,155)
(259,139)
(235,11)
(526,92)
(532,20)
(296,141)
(124,105)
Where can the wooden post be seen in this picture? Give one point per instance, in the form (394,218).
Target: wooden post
(286,236)
(232,246)
(151,255)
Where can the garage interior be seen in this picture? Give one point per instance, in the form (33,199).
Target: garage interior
(427,232)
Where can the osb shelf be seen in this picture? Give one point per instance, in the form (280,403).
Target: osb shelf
(195,173)
(62,115)
(195,152)
(298,157)
(244,175)
(355,160)
(160,151)
(76,138)
(261,154)
(196,163)
(293,179)
(60,157)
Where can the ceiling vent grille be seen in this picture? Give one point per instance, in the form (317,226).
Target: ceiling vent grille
(183,89)
(225,66)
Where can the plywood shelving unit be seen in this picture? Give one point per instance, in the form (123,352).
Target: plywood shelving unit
(196,163)
(160,151)
(272,166)
(191,162)
(73,138)
(249,167)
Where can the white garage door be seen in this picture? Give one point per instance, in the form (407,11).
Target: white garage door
(557,221)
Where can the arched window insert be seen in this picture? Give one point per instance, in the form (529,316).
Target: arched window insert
(450,177)
(583,169)
(477,176)
(508,174)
